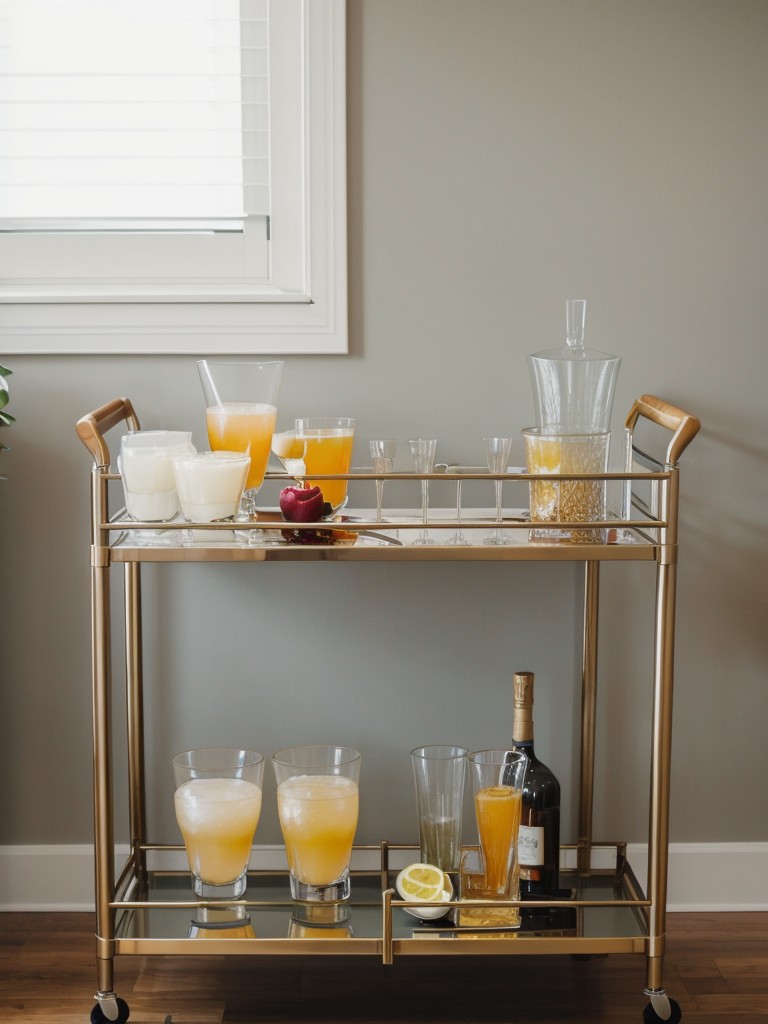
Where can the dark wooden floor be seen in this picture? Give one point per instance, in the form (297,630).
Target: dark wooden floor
(716,967)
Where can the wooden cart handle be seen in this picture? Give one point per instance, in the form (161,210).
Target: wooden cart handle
(684,425)
(92,427)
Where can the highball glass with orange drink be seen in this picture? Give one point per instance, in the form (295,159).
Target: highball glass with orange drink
(497,780)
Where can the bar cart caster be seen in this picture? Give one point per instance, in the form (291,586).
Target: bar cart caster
(109,1009)
(661,1009)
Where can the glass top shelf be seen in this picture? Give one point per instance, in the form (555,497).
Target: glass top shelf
(355,535)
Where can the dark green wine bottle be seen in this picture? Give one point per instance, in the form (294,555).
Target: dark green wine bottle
(539,837)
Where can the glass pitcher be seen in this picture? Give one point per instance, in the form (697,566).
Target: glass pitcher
(573,386)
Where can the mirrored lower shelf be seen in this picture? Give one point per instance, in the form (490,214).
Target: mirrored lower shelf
(602,917)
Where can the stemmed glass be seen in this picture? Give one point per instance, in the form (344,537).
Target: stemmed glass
(383,460)
(459,538)
(290,450)
(497,456)
(240,414)
(423,451)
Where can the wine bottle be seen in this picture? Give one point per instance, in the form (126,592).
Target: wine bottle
(539,837)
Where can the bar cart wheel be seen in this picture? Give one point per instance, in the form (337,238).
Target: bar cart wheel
(661,1009)
(110,1010)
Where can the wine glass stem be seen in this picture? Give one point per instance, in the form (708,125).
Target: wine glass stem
(458,503)
(379,490)
(498,501)
(424,500)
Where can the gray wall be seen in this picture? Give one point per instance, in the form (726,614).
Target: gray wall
(503,155)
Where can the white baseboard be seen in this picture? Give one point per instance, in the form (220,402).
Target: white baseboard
(702,876)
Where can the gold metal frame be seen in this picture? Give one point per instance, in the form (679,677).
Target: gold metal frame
(645,531)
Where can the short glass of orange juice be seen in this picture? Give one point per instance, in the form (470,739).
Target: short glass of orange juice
(327,451)
(497,782)
(317,803)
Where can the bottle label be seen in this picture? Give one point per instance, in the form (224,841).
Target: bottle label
(530,846)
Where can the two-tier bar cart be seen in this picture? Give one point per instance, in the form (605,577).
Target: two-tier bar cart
(149,908)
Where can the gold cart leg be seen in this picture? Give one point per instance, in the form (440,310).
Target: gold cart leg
(102,778)
(588,706)
(135,718)
(660,771)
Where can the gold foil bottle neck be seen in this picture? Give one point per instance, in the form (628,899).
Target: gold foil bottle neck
(522,726)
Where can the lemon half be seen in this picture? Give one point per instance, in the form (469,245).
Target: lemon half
(428,883)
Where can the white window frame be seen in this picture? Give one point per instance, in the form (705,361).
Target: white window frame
(302,306)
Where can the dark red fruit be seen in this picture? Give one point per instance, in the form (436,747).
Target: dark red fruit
(302,505)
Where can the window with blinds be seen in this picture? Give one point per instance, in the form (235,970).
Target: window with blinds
(173,176)
(133,114)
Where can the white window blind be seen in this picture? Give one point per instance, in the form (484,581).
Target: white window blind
(133,114)
(241,246)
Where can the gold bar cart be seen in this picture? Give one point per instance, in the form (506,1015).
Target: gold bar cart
(146,909)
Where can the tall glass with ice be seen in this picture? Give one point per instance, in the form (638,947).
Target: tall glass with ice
(218,803)
(317,802)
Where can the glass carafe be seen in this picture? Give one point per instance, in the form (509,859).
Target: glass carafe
(573,386)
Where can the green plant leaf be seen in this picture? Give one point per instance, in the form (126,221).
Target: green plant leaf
(6,419)
(4,371)
(4,398)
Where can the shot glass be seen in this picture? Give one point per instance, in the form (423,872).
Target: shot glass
(218,804)
(497,782)
(210,484)
(317,803)
(146,467)
(327,450)
(566,501)
(439,772)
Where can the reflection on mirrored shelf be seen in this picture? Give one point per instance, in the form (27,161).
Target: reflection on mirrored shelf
(266,912)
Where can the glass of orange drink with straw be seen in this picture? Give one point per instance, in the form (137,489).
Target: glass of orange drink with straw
(240,413)
(497,782)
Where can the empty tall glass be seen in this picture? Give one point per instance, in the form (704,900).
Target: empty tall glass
(317,802)
(438,772)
